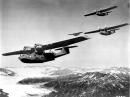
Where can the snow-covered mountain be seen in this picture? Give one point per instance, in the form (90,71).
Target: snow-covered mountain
(3,94)
(92,84)
(38,81)
(117,70)
(12,75)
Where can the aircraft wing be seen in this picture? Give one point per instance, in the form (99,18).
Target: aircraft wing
(95,31)
(107,9)
(51,46)
(108,28)
(117,26)
(65,42)
(71,34)
(76,34)
(93,13)
(17,52)
(66,47)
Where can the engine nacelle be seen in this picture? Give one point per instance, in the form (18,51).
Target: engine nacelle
(29,49)
(38,49)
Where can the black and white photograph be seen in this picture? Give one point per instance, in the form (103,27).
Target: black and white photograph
(64,48)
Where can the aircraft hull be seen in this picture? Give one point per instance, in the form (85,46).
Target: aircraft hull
(34,58)
(31,61)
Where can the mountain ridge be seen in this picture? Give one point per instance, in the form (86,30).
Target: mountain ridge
(110,82)
(93,84)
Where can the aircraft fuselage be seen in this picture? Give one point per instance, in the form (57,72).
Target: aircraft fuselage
(107,32)
(102,13)
(48,56)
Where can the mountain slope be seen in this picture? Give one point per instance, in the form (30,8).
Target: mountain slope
(3,94)
(92,84)
(6,72)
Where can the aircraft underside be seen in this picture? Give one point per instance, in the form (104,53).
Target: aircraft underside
(35,58)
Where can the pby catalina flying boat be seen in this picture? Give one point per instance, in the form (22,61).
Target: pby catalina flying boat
(76,34)
(107,30)
(42,53)
(102,12)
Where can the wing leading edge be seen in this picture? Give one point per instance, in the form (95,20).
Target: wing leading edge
(17,52)
(102,10)
(65,42)
(51,46)
(107,28)
(110,8)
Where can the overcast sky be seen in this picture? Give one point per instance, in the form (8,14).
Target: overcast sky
(26,22)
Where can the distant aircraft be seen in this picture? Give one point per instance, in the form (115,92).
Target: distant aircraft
(42,53)
(76,34)
(102,12)
(107,30)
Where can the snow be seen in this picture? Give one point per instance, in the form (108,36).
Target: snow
(9,83)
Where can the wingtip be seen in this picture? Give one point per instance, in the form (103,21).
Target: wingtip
(125,24)
(86,15)
(116,6)
(4,54)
